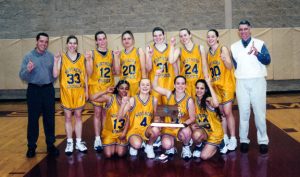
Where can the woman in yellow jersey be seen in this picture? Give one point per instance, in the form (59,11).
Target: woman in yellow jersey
(114,127)
(141,108)
(223,82)
(191,58)
(70,67)
(132,61)
(101,71)
(157,57)
(207,139)
(186,115)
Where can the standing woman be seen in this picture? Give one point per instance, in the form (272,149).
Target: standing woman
(114,128)
(101,69)
(191,58)
(223,82)
(142,108)
(186,108)
(132,61)
(70,66)
(207,139)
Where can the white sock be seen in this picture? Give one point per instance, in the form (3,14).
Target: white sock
(98,138)
(78,140)
(69,140)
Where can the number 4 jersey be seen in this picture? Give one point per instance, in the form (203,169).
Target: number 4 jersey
(72,82)
(141,116)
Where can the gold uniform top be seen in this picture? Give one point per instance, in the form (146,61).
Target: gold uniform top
(191,67)
(113,126)
(102,76)
(131,69)
(141,114)
(183,108)
(161,60)
(221,76)
(214,129)
(72,82)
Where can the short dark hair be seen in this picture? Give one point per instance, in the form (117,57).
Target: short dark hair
(158,29)
(188,31)
(41,34)
(99,32)
(215,31)
(244,22)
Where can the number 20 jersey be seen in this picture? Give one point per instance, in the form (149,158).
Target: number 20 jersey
(72,82)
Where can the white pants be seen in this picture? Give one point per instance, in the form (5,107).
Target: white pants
(252,91)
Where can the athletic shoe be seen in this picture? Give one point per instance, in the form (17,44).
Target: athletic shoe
(171,151)
(30,152)
(226,139)
(244,147)
(197,151)
(223,148)
(157,143)
(186,152)
(232,144)
(81,147)
(69,148)
(98,146)
(263,148)
(53,151)
(149,151)
(132,151)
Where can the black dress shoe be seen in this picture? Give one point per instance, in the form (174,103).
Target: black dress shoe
(244,147)
(30,152)
(52,150)
(263,148)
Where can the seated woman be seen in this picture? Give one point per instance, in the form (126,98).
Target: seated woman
(114,128)
(141,108)
(186,115)
(208,138)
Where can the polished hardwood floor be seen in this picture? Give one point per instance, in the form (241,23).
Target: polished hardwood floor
(282,160)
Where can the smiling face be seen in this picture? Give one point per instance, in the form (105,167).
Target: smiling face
(200,89)
(158,37)
(123,90)
(127,41)
(185,37)
(101,41)
(72,45)
(244,31)
(145,86)
(180,84)
(212,38)
(42,44)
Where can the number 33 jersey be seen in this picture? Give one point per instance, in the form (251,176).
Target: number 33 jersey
(72,82)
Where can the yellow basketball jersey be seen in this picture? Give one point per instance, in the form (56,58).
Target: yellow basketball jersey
(102,75)
(220,75)
(113,126)
(214,128)
(183,113)
(72,82)
(191,67)
(131,69)
(141,115)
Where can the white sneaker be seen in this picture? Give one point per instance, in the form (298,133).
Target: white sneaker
(223,148)
(157,143)
(69,149)
(149,151)
(132,151)
(226,139)
(197,151)
(171,151)
(98,145)
(81,147)
(186,152)
(232,144)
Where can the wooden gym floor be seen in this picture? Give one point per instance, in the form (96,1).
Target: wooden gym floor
(283,122)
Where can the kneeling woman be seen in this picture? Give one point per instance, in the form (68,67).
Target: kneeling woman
(114,129)
(208,138)
(141,109)
(186,116)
